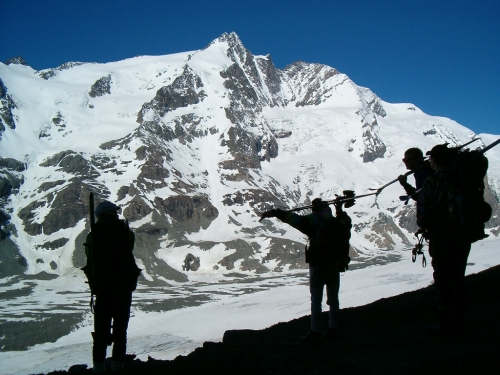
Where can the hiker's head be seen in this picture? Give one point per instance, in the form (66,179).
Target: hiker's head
(440,157)
(106,210)
(320,206)
(413,158)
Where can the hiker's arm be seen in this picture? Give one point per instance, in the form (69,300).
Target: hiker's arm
(410,190)
(341,214)
(300,223)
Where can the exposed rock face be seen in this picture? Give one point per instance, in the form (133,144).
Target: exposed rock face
(184,91)
(407,218)
(191,263)
(58,123)
(287,253)
(192,213)
(137,209)
(17,60)
(315,75)
(260,200)
(244,251)
(153,171)
(48,73)
(11,179)
(52,245)
(494,201)
(380,232)
(376,107)
(12,263)
(3,90)
(7,104)
(71,163)
(101,87)
(67,207)
(374,147)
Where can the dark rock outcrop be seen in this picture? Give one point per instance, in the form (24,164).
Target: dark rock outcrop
(48,73)
(191,263)
(260,200)
(286,252)
(68,207)
(7,104)
(72,163)
(16,60)
(101,87)
(53,245)
(192,213)
(374,147)
(185,90)
(381,231)
(407,218)
(494,201)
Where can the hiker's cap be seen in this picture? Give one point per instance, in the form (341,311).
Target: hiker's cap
(105,207)
(318,205)
(439,151)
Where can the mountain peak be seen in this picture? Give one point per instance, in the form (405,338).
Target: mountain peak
(16,60)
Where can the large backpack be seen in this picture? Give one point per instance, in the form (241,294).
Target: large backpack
(111,266)
(467,176)
(332,243)
(461,195)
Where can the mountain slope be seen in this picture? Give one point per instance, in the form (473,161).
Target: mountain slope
(194,146)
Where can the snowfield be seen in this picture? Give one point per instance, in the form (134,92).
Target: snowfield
(233,304)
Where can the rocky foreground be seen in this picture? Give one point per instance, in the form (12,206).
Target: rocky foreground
(385,337)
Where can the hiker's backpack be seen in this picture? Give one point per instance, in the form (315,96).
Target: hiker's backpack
(111,266)
(332,243)
(467,176)
(462,195)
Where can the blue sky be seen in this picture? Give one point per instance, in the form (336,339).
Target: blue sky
(441,55)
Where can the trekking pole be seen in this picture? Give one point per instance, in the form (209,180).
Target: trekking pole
(379,190)
(92,247)
(489,146)
(92,225)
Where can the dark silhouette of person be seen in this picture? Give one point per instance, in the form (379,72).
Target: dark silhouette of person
(414,161)
(327,255)
(112,274)
(449,246)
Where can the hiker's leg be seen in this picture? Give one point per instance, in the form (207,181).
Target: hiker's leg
(102,327)
(449,262)
(459,297)
(316,288)
(332,293)
(121,317)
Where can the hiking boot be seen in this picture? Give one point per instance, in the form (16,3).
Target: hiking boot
(312,338)
(330,334)
(98,367)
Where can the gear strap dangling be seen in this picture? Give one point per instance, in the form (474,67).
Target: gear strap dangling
(417,250)
(92,303)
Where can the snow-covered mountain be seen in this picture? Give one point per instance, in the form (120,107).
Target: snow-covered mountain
(194,146)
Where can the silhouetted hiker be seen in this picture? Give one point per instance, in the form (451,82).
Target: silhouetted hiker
(327,255)
(112,274)
(414,161)
(449,245)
